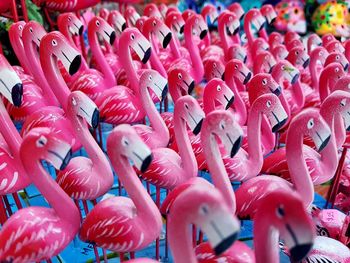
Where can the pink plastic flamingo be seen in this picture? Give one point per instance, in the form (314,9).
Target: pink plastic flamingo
(253,22)
(313,41)
(37,233)
(118,223)
(268,11)
(66,6)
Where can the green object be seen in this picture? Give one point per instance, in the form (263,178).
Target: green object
(34,12)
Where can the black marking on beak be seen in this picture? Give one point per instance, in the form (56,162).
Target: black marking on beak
(182,29)
(229,102)
(306,63)
(167,39)
(225,244)
(198,127)
(236,146)
(95,119)
(146,163)
(295,78)
(346,66)
(81,30)
(17,94)
(165,92)
(236,31)
(66,159)
(147,55)
(273,20)
(190,87)
(112,38)
(279,124)
(245,59)
(203,34)
(74,65)
(324,142)
(223,76)
(299,252)
(262,26)
(277,91)
(247,78)
(123,26)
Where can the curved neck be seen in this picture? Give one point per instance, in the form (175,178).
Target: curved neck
(339,130)
(174,47)
(198,69)
(63,205)
(155,61)
(248,31)
(160,130)
(17,45)
(95,47)
(298,94)
(313,73)
(37,71)
(217,170)
(239,104)
(223,36)
(186,153)
(324,85)
(263,34)
(298,170)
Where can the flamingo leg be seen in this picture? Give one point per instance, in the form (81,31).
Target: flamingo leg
(100,135)
(194,235)
(24,10)
(7,205)
(3,215)
(119,187)
(201,237)
(121,256)
(158,205)
(17,201)
(49,261)
(132,255)
(166,241)
(14,11)
(82,43)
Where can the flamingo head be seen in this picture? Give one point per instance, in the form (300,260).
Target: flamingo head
(218,93)
(204,206)
(124,142)
(337,57)
(267,61)
(197,25)
(137,42)
(180,83)
(163,9)
(314,40)
(214,69)
(175,21)
(82,106)
(335,46)
(172,8)
(55,44)
(343,83)
(47,146)
(255,19)
(100,26)
(237,69)
(116,20)
(309,122)
(153,81)
(260,44)
(187,14)
(34,31)
(327,38)
(104,13)
(210,12)
(131,15)
(151,10)
(285,212)
(290,36)
(72,22)
(237,52)
(294,43)
(320,54)
(11,86)
(280,52)
(333,72)
(237,9)
(262,83)
(140,23)
(338,102)
(275,39)
(156,26)
(16,30)
(220,124)
(299,57)
(288,71)
(268,11)
(231,23)
(188,110)
(270,105)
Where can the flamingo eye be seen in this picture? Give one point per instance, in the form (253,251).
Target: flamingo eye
(236,66)
(336,70)
(321,54)
(97,23)
(310,124)
(296,52)
(218,88)
(186,105)
(343,102)
(337,57)
(150,77)
(154,23)
(125,142)
(41,142)
(31,30)
(222,125)
(54,42)
(20,27)
(268,104)
(69,18)
(283,67)
(280,211)
(264,81)
(214,65)
(179,76)
(132,36)
(204,209)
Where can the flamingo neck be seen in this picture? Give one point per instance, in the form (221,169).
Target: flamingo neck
(239,104)
(298,170)
(198,69)
(63,205)
(298,94)
(347,52)
(258,63)
(217,170)
(240,86)
(37,71)
(106,70)
(160,130)
(18,47)
(116,45)
(266,238)
(313,73)
(339,130)
(180,240)
(186,153)
(248,31)
(324,85)
(155,61)
(126,60)
(263,34)
(223,36)
(174,47)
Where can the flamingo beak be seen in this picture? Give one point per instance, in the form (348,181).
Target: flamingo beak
(66,160)
(191,87)
(11,87)
(88,110)
(141,156)
(81,30)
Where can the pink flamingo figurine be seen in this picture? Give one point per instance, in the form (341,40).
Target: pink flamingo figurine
(268,11)
(66,6)
(318,57)
(237,9)
(131,16)
(151,10)
(37,233)
(253,21)
(308,122)
(118,223)
(275,39)
(313,41)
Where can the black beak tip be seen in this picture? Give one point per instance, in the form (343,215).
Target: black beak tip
(191,87)
(245,59)
(271,68)
(112,38)
(75,65)
(146,163)
(17,94)
(123,27)
(198,127)
(165,91)
(236,31)
(95,120)
(346,66)
(277,91)
(279,125)
(299,252)
(324,143)
(182,29)
(167,40)
(247,78)
(81,30)
(273,20)
(223,76)
(295,78)
(229,103)
(225,244)
(348,128)
(66,160)
(146,56)
(203,34)
(236,146)
(306,63)
(262,26)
